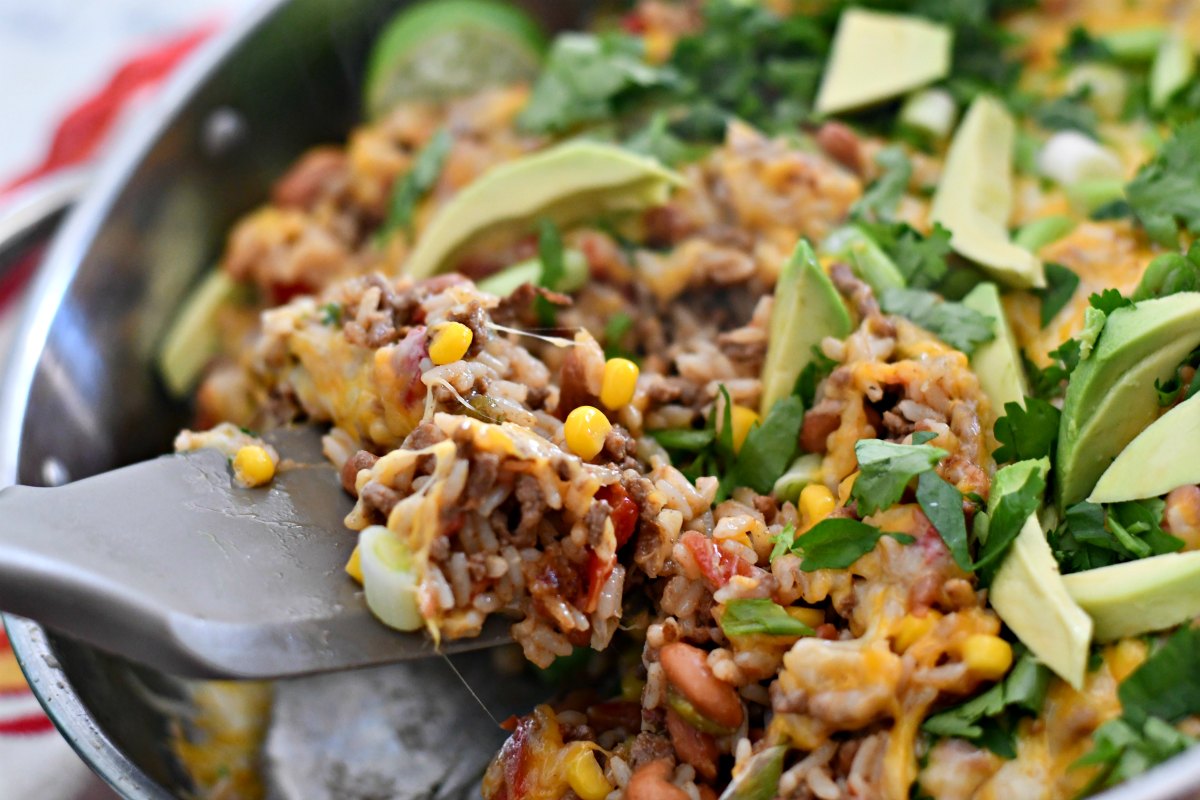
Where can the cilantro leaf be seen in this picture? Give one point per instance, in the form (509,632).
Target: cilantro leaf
(769,448)
(1069,112)
(837,542)
(748,617)
(1049,383)
(1016,494)
(1022,690)
(880,200)
(1092,535)
(589,79)
(1082,47)
(1165,193)
(810,377)
(1061,284)
(943,505)
(783,542)
(686,440)
(920,259)
(416,183)
(657,140)
(550,254)
(331,314)
(1108,301)
(958,326)
(885,470)
(1028,432)
(615,329)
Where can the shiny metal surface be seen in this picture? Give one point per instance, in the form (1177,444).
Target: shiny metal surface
(81,396)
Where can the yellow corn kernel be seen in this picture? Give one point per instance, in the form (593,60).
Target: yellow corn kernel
(450,342)
(586,777)
(252,466)
(911,628)
(812,617)
(1126,656)
(657,45)
(816,503)
(354,565)
(846,486)
(585,431)
(987,656)
(742,419)
(620,381)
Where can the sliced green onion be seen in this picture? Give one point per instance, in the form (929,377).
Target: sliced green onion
(929,112)
(1041,232)
(1137,45)
(1174,66)
(1106,86)
(506,281)
(389,583)
(759,779)
(1070,157)
(804,470)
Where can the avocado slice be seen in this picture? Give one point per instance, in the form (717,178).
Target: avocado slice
(1031,597)
(194,337)
(1152,465)
(974,199)
(997,363)
(1110,397)
(807,308)
(1136,597)
(877,56)
(566,183)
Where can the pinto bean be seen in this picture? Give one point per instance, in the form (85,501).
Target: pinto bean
(359,461)
(841,144)
(706,792)
(686,667)
(693,747)
(303,183)
(817,426)
(652,781)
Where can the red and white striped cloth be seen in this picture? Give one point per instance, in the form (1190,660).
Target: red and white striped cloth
(35,762)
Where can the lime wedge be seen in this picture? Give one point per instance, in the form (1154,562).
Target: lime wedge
(447,48)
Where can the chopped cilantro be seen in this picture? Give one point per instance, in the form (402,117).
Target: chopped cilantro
(783,542)
(1028,432)
(1061,284)
(810,377)
(837,542)
(943,505)
(1082,47)
(1165,193)
(760,616)
(1109,301)
(879,202)
(1092,535)
(920,259)
(416,183)
(615,329)
(1049,382)
(769,448)
(331,314)
(685,440)
(958,326)
(589,79)
(1015,495)
(657,140)
(1069,112)
(886,469)
(551,256)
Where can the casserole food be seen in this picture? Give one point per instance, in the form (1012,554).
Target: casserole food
(731,577)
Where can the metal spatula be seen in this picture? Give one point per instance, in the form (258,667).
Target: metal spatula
(168,562)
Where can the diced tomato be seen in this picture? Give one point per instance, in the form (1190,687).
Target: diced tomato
(633,23)
(717,566)
(624,511)
(515,755)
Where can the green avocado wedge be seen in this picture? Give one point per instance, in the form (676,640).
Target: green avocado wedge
(1141,596)
(1031,597)
(807,308)
(1155,462)
(446,48)
(195,335)
(974,199)
(566,183)
(866,258)
(997,363)
(1110,397)
(877,56)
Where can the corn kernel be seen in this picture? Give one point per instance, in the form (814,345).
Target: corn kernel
(585,431)
(987,656)
(620,381)
(812,617)
(252,466)
(911,628)
(354,565)
(657,46)
(585,776)
(450,342)
(742,419)
(816,503)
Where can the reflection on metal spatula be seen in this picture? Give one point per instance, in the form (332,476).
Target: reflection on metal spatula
(170,563)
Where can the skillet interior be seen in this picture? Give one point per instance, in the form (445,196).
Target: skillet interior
(82,397)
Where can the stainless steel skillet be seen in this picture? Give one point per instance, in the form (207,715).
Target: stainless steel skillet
(81,396)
